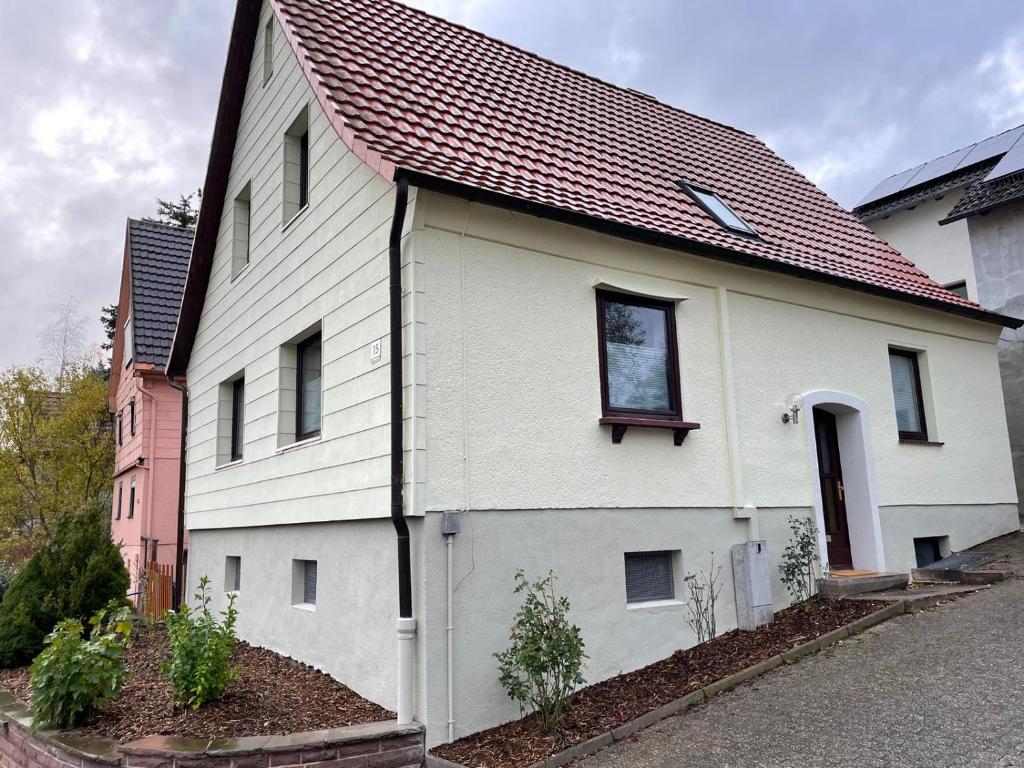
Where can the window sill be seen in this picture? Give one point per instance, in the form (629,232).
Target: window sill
(298,213)
(918,441)
(228,464)
(298,444)
(310,607)
(619,424)
(654,604)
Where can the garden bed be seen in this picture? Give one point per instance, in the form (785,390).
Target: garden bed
(272,694)
(602,707)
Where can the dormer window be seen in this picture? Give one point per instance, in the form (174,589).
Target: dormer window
(718,208)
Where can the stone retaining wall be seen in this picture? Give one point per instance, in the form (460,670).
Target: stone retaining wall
(378,745)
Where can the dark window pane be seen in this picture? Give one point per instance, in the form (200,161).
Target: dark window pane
(904,390)
(637,357)
(309,582)
(309,387)
(303,169)
(237,418)
(649,577)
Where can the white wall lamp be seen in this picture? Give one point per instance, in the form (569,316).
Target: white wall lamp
(792,416)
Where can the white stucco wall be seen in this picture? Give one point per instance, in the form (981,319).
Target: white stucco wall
(327,266)
(942,252)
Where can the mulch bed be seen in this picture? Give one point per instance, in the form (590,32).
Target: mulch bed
(599,708)
(272,694)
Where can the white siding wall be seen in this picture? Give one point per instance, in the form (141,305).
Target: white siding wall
(327,266)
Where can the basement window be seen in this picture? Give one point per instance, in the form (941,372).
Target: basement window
(304,584)
(712,204)
(232,573)
(650,577)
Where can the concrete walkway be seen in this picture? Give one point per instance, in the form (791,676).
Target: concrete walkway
(940,688)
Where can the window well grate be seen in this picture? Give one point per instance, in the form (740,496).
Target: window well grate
(649,577)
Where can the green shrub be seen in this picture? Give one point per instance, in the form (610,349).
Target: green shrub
(73,676)
(201,649)
(543,664)
(74,574)
(797,568)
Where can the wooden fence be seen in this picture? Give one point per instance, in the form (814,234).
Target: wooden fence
(156,597)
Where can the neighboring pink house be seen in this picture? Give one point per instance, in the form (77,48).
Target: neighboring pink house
(147,410)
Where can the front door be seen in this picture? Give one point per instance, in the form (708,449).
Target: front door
(833,496)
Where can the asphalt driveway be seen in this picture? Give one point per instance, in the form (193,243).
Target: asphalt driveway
(939,688)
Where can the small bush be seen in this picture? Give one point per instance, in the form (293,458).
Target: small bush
(72,576)
(200,668)
(798,561)
(543,664)
(73,676)
(705,589)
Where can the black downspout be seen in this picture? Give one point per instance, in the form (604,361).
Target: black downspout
(179,554)
(397,470)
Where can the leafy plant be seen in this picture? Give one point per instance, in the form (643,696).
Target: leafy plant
(73,676)
(73,575)
(543,663)
(200,669)
(799,559)
(704,591)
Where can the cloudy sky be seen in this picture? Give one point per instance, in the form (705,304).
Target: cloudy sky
(110,103)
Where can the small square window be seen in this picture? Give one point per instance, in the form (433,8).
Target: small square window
(240,234)
(639,367)
(719,210)
(649,577)
(906,390)
(959,288)
(304,583)
(232,573)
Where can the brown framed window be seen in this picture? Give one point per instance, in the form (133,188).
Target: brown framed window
(638,357)
(906,392)
(131,416)
(120,427)
(308,366)
(237,418)
(120,499)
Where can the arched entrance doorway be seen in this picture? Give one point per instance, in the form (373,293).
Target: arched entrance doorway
(843,478)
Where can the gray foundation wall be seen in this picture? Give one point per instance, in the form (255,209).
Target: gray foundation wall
(351,634)
(997,246)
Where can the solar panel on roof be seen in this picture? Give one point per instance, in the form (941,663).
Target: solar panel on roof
(940,166)
(1012,162)
(889,186)
(992,147)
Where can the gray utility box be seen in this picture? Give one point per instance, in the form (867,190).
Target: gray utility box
(751,572)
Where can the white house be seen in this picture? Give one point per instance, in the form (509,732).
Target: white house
(607,308)
(960,218)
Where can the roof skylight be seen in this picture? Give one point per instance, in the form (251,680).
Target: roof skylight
(714,205)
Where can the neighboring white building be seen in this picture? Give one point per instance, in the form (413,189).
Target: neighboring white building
(960,218)
(596,360)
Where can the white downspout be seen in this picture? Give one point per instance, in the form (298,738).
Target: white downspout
(449,542)
(741,509)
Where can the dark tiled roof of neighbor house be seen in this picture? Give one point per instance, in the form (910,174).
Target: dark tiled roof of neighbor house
(933,190)
(982,198)
(159,261)
(448,108)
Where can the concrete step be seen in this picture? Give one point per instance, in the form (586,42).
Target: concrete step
(920,598)
(847,586)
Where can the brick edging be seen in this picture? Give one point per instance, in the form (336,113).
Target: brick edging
(373,745)
(712,689)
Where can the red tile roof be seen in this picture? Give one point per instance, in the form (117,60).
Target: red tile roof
(414,94)
(430,96)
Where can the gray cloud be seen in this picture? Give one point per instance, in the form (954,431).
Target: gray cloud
(110,103)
